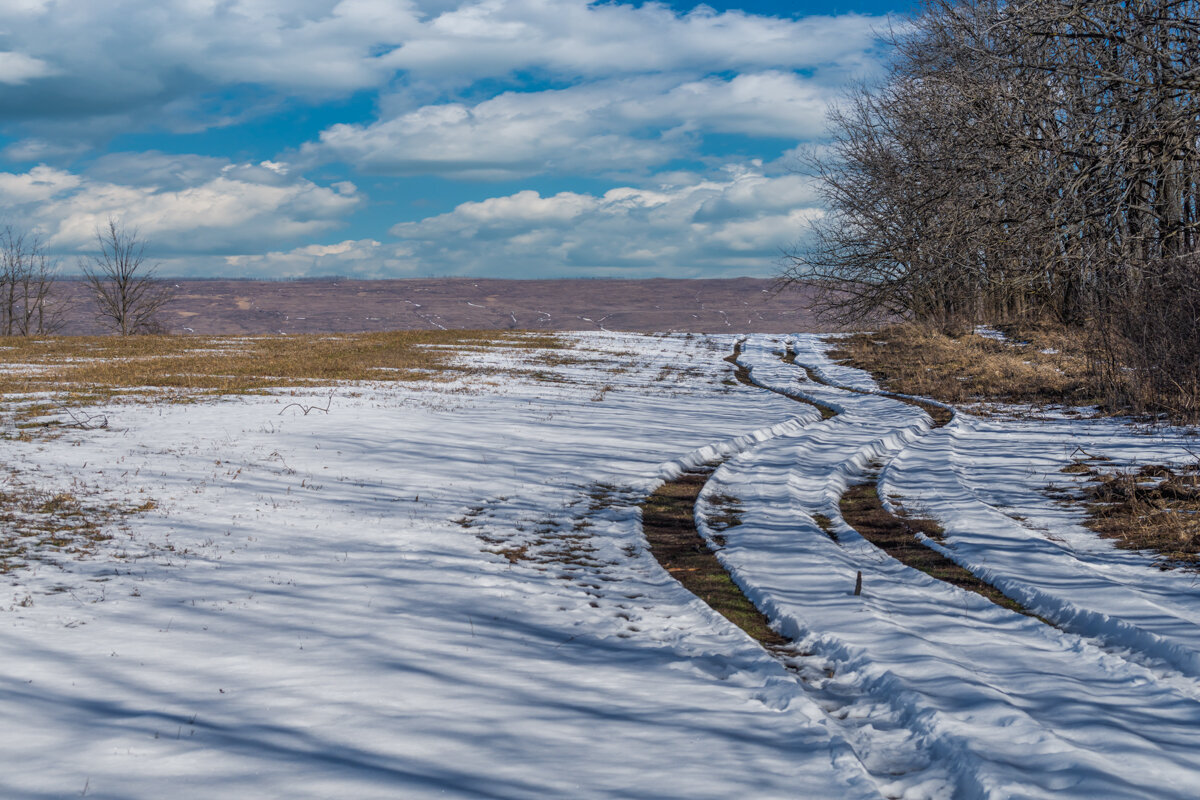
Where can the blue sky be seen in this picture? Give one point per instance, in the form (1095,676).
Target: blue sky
(406,138)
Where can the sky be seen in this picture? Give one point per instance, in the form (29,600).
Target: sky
(415,138)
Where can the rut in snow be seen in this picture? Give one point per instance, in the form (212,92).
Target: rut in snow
(1154,635)
(979,688)
(893,755)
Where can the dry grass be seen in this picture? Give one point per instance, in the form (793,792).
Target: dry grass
(1037,366)
(56,375)
(36,525)
(84,369)
(826,525)
(1154,508)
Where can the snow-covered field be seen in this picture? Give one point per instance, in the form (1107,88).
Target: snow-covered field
(442,590)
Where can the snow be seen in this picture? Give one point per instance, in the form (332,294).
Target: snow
(331,631)
(442,589)
(1003,704)
(986,480)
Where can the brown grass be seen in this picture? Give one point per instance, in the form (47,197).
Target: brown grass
(912,359)
(92,368)
(940,415)
(1154,508)
(863,511)
(37,524)
(667,519)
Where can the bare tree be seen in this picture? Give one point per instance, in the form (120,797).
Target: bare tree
(1028,159)
(27,276)
(128,296)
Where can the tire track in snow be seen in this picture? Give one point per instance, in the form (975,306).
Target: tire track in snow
(923,469)
(1002,725)
(1129,608)
(895,756)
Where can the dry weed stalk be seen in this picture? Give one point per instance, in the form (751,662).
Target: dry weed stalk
(1154,508)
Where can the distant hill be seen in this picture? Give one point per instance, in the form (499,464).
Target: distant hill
(743,305)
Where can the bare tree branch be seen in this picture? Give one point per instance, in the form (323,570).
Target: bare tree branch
(1020,160)
(128,296)
(27,276)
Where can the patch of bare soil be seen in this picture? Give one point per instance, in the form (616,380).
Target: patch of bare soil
(669,523)
(863,510)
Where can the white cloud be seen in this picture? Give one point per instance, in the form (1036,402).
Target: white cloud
(225,208)
(472,89)
(39,185)
(611,126)
(170,171)
(771,103)
(581,129)
(575,37)
(18,68)
(41,150)
(137,64)
(201,216)
(735,224)
(361,258)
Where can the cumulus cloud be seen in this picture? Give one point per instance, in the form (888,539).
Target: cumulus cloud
(354,44)
(470,89)
(18,68)
(581,129)
(134,64)
(771,103)
(199,208)
(608,126)
(735,224)
(206,217)
(575,37)
(353,258)
(39,185)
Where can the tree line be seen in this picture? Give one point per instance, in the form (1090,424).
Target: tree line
(1027,161)
(127,296)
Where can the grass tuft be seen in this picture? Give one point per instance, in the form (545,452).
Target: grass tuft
(1152,508)
(36,525)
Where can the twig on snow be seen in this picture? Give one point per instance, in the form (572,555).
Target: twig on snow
(306,409)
